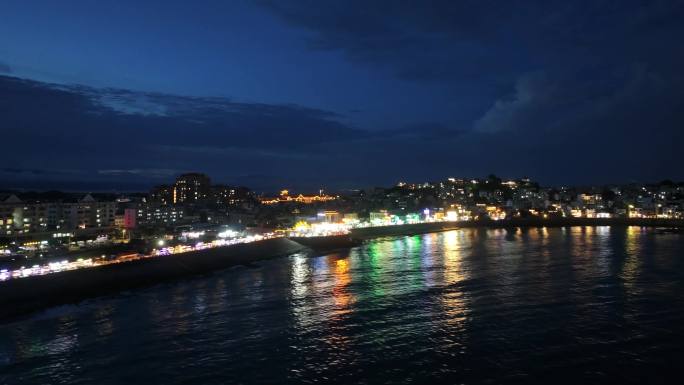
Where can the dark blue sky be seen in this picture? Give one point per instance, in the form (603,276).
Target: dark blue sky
(126,94)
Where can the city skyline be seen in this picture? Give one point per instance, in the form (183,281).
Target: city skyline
(341,191)
(273,189)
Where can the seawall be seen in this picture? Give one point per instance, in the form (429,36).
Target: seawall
(399,230)
(25,295)
(322,244)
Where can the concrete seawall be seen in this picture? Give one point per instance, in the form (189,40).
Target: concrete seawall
(25,295)
(322,244)
(411,229)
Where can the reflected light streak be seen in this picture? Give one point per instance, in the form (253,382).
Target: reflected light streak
(454,300)
(341,295)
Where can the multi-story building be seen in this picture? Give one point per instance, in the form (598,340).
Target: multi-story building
(191,188)
(18,217)
(126,218)
(231,195)
(155,214)
(88,213)
(162,194)
(11,215)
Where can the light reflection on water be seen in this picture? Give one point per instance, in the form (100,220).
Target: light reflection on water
(470,305)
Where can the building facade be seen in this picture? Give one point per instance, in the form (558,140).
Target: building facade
(18,217)
(191,187)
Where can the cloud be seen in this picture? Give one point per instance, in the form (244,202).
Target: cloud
(532,92)
(624,125)
(628,99)
(5,68)
(129,102)
(152,173)
(36,172)
(82,115)
(459,40)
(564,124)
(414,42)
(77,127)
(146,135)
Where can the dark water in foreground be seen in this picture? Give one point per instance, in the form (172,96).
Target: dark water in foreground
(576,305)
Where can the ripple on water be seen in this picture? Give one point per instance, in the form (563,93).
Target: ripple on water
(471,305)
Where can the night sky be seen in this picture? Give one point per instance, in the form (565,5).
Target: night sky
(123,95)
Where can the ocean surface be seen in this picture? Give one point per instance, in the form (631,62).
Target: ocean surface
(569,305)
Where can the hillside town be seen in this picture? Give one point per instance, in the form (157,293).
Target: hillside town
(45,223)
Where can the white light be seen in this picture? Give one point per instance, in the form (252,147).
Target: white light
(227,234)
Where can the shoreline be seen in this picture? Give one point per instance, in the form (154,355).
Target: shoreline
(23,296)
(565,222)
(364,233)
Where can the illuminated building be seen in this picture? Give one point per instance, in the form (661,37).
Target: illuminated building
(590,199)
(230,195)
(330,216)
(88,213)
(126,219)
(11,215)
(412,218)
(224,194)
(161,215)
(351,218)
(162,194)
(191,187)
(495,213)
(576,213)
(511,184)
(18,217)
(285,197)
(379,217)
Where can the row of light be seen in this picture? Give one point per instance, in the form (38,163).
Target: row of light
(52,267)
(228,238)
(305,229)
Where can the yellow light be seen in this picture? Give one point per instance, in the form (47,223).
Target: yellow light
(301,226)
